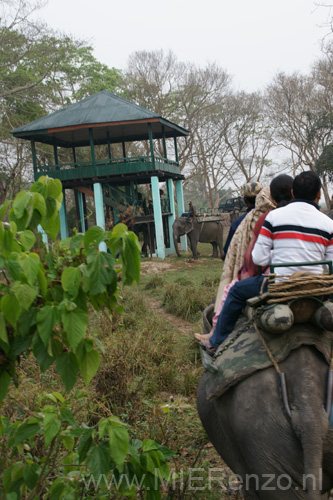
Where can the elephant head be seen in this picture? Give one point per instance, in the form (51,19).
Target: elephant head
(180,227)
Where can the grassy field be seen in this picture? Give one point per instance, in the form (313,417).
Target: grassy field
(150,370)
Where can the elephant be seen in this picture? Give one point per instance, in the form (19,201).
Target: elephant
(205,232)
(147,230)
(275,456)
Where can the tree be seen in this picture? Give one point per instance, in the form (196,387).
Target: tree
(300,109)
(39,72)
(202,96)
(187,95)
(324,164)
(152,80)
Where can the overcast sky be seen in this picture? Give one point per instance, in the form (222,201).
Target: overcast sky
(251,39)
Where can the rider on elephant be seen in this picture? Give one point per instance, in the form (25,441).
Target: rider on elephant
(191,211)
(249,191)
(241,240)
(280,190)
(308,238)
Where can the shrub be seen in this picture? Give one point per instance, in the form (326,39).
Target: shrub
(188,302)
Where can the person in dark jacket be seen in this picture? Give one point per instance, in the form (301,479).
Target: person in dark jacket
(249,192)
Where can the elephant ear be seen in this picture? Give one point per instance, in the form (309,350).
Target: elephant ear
(188,227)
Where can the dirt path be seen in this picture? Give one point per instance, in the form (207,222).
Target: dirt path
(182,325)
(160,267)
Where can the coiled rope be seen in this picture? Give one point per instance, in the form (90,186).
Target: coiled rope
(301,286)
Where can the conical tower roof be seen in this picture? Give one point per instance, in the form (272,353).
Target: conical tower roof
(111,118)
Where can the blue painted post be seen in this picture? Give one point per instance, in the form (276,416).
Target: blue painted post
(99,208)
(159,235)
(92,149)
(81,211)
(63,218)
(171,218)
(34,158)
(44,236)
(151,143)
(180,210)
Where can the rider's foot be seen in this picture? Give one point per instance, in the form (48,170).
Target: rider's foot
(207,346)
(205,336)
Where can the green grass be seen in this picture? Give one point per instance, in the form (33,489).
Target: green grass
(189,286)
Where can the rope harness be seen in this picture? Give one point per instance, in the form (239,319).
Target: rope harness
(298,287)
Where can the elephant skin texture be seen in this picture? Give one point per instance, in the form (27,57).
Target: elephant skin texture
(275,457)
(205,232)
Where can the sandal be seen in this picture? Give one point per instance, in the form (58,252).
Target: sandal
(207,346)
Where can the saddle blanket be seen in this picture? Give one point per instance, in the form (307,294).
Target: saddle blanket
(243,353)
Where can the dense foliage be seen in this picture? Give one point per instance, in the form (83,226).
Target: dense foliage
(45,298)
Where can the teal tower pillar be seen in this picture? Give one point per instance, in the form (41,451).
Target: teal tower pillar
(81,211)
(99,210)
(159,235)
(63,218)
(171,218)
(180,210)
(44,236)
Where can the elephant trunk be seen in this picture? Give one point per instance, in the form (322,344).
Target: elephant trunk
(175,242)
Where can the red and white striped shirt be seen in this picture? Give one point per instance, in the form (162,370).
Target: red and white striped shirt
(298,232)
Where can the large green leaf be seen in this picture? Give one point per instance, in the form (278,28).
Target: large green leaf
(51,206)
(119,231)
(51,226)
(47,317)
(3,209)
(38,203)
(41,352)
(3,330)
(52,427)
(101,272)
(39,186)
(30,265)
(85,444)
(42,280)
(75,323)
(14,269)
(94,235)
(20,203)
(152,462)
(5,379)
(24,432)
(27,239)
(76,242)
(67,367)
(30,474)
(149,445)
(36,218)
(23,222)
(25,294)
(119,442)
(98,460)
(11,308)
(56,489)
(8,240)
(27,322)
(131,260)
(70,280)
(54,190)
(89,365)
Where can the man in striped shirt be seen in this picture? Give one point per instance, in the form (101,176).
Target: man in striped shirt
(298,232)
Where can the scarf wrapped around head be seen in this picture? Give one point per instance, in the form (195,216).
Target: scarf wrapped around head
(241,240)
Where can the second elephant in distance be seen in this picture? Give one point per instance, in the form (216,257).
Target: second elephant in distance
(205,232)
